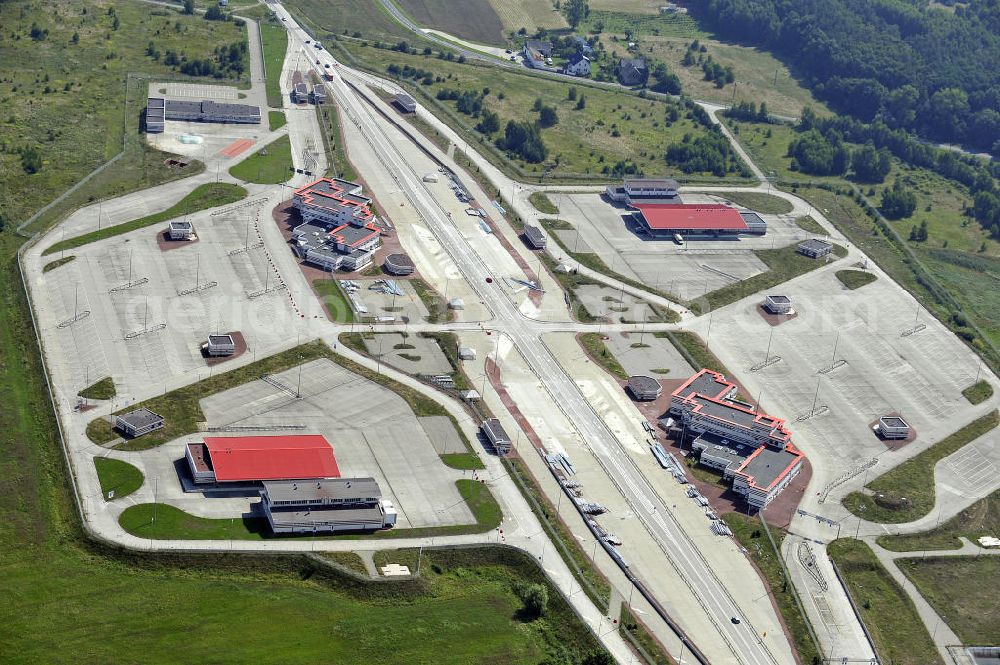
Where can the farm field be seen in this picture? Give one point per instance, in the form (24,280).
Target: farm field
(959,588)
(57,94)
(472,20)
(528,14)
(588,142)
(334,17)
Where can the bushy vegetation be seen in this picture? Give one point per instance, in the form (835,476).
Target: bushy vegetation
(710,153)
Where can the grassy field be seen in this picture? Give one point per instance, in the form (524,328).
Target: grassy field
(118,476)
(473,20)
(652,652)
(978,392)
(363,19)
(274,39)
(270,165)
(694,350)
(528,14)
(52,265)
(276,119)
(810,225)
(333,298)
(758,202)
(202,197)
(963,589)
(543,204)
(333,140)
(616,22)
(593,344)
(913,480)
(748,532)
(103,389)
(406,556)
(783,264)
(585,143)
(160,521)
(463,461)
(889,614)
(65,98)
(348,560)
(855,279)
(980,519)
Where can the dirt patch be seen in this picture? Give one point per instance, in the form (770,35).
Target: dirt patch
(165,244)
(241,348)
(893,444)
(775,319)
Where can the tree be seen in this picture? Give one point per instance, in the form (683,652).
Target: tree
(489,124)
(898,203)
(816,154)
(523,139)
(188,7)
(31,160)
(575,11)
(547,116)
(666,81)
(215,13)
(535,598)
(581,103)
(571,95)
(871,165)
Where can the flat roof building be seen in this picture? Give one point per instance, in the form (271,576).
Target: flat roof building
(326,505)
(300,93)
(778,304)
(644,190)
(892,427)
(138,422)
(155,115)
(159,109)
(494,431)
(699,219)
(644,388)
(398,264)
(405,103)
(180,230)
(319,93)
(340,230)
(534,237)
(220,345)
(244,459)
(814,248)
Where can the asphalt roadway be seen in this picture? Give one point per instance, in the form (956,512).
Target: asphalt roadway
(525,335)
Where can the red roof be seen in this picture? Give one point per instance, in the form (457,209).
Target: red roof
(242,458)
(683,216)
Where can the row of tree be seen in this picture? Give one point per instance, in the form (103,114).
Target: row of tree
(911,65)
(818,153)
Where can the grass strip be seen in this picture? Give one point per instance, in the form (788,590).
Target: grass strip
(978,392)
(855,279)
(694,350)
(810,225)
(980,519)
(437,307)
(115,475)
(768,204)
(889,614)
(593,344)
(749,533)
(160,521)
(52,265)
(275,42)
(276,119)
(333,140)
(270,165)
(103,389)
(202,197)
(906,493)
(543,203)
(783,265)
(348,560)
(636,632)
(333,298)
(463,461)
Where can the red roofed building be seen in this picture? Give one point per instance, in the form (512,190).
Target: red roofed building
(339,231)
(700,219)
(244,459)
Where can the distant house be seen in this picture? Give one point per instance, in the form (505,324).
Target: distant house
(537,54)
(578,65)
(632,71)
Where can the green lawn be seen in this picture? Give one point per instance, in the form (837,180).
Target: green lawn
(333,140)
(103,389)
(888,613)
(276,119)
(758,202)
(348,560)
(593,344)
(855,279)
(980,519)
(749,533)
(810,225)
(202,197)
(963,589)
(270,165)
(118,476)
(906,493)
(978,392)
(783,264)
(694,350)
(275,41)
(52,265)
(407,556)
(463,461)
(333,298)
(632,628)
(437,307)
(543,203)
(333,17)
(162,521)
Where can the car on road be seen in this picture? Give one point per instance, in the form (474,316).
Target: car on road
(308,41)
(327,65)
(489,280)
(317,62)
(513,59)
(735,620)
(508,51)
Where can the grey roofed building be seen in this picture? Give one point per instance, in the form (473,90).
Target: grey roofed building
(494,431)
(300,92)
(326,504)
(644,388)
(632,71)
(203,111)
(398,264)
(542,47)
(319,93)
(138,422)
(155,115)
(778,304)
(180,230)
(221,345)
(814,248)
(534,236)
(767,464)
(755,223)
(324,491)
(405,103)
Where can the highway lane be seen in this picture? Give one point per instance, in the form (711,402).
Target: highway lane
(742,639)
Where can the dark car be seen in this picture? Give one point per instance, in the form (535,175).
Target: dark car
(735,620)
